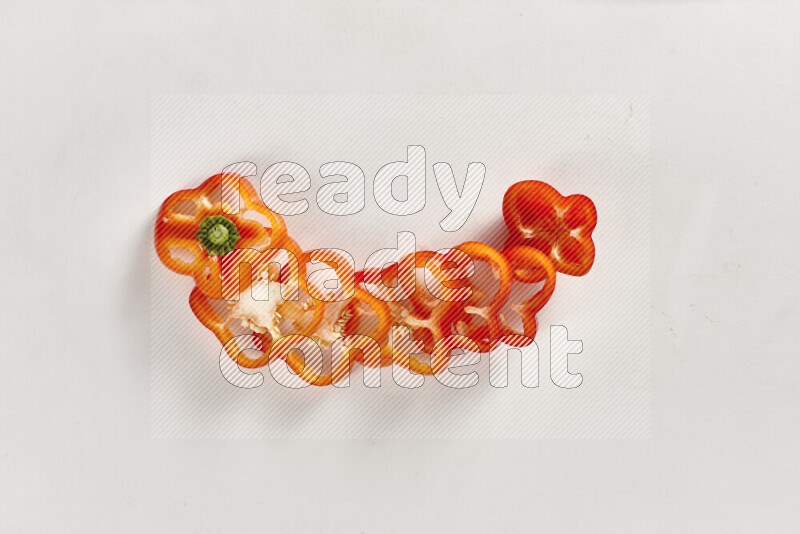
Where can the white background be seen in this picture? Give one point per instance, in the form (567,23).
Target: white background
(75,448)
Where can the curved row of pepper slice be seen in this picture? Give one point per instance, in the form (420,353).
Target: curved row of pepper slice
(548,233)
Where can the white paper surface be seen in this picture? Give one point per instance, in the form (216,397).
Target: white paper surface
(76,446)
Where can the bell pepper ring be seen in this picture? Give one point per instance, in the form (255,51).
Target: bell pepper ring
(530,266)
(489,312)
(540,217)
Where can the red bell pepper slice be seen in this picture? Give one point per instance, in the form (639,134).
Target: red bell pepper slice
(538,216)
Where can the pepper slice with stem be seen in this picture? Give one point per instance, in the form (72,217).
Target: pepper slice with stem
(195,228)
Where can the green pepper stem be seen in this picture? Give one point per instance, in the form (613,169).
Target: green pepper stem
(217,234)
